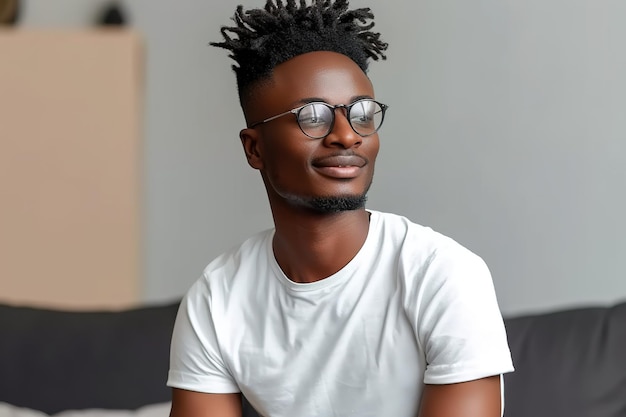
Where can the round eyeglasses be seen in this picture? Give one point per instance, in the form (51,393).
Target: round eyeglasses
(316,120)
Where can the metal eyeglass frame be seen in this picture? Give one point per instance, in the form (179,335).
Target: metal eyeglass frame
(348,107)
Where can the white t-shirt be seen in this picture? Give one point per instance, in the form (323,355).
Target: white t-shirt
(413,307)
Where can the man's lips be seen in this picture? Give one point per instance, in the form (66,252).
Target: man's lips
(340,166)
(340,161)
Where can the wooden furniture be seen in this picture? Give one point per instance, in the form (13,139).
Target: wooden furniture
(70,128)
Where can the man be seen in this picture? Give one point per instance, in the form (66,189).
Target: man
(338,310)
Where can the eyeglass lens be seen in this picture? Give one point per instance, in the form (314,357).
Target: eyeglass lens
(316,119)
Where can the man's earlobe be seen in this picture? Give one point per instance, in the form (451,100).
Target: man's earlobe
(251,147)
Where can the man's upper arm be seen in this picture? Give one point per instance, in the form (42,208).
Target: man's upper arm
(197,404)
(479,398)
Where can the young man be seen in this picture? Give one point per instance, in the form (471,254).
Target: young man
(338,310)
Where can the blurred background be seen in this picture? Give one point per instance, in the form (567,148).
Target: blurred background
(122,175)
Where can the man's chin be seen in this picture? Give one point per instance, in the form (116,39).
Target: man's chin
(333,204)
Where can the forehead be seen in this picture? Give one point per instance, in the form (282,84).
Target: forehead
(329,76)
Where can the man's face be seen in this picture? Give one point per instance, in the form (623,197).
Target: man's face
(299,170)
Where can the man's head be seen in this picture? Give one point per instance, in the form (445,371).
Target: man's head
(264,38)
(288,56)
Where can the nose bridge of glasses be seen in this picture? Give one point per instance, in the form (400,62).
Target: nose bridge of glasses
(344,109)
(344,124)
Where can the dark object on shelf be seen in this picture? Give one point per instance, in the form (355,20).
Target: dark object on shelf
(9,12)
(112,15)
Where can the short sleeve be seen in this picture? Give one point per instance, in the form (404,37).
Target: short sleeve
(457,319)
(196,362)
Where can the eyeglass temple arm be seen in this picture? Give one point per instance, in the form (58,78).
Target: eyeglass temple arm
(294,111)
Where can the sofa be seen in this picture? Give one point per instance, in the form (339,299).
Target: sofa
(569,363)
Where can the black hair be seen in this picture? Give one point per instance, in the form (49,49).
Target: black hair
(265,38)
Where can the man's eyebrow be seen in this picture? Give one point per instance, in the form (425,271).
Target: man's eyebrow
(308,100)
(357,98)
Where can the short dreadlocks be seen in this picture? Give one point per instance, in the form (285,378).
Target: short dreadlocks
(268,37)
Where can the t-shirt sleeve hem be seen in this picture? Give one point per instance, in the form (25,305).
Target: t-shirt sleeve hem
(453,376)
(202,384)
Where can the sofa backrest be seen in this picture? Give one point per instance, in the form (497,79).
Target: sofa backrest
(54,360)
(568,364)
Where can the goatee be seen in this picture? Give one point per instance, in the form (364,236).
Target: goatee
(331,205)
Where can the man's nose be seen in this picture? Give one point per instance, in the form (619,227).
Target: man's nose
(342,133)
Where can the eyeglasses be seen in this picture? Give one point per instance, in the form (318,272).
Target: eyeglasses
(316,120)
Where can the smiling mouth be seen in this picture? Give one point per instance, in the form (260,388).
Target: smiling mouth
(340,161)
(340,166)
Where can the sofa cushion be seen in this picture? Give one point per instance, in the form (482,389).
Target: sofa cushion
(56,360)
(569,363)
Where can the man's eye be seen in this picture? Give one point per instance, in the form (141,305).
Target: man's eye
(313,116)
(364,118)
(312,120)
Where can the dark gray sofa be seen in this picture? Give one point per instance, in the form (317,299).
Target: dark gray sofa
(569,363)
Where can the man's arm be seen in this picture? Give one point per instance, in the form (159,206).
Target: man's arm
(479,398)
(197,404)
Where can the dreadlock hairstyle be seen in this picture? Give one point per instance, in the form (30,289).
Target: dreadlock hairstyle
(264,38)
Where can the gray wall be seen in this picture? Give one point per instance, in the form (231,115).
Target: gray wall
(507,131)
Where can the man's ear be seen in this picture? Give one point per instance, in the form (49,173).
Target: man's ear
(251,146)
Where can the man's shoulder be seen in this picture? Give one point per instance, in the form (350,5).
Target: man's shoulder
(413,238)
(231,277)
(248,254)
(399,227)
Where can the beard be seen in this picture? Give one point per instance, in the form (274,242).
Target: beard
(328,205)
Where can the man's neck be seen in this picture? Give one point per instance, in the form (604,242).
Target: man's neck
(312,246)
